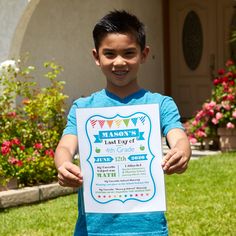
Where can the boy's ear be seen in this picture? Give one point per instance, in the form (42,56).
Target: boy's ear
(145,53)
(96,57)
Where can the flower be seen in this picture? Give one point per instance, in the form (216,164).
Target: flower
(50,153)
(11,114)
(16,141)
(38,146)
(214,121)
(219,115)
(230,125)
(8,63)
(5,150)
(8,66)
(234,114)
(219,110)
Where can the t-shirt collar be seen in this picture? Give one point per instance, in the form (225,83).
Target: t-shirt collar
(136,94)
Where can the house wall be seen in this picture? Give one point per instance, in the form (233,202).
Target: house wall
(62,30)
(10,14)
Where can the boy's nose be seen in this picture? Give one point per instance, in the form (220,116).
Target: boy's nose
(119,61)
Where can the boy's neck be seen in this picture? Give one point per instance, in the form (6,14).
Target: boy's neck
(123,92)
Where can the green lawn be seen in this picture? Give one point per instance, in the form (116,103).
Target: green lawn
(200,202)
(203,200)
(54,217)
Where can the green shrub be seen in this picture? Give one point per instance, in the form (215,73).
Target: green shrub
(31,123)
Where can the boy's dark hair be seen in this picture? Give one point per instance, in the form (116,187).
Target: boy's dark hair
(119,22)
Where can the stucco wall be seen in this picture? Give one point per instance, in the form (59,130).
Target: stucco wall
(10,14)
(62,30)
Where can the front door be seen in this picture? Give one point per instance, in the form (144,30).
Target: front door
(199,46)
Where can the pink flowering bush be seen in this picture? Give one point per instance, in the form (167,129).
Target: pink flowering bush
(219,110)
(31,122)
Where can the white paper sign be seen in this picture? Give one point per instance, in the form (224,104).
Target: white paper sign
(120,155)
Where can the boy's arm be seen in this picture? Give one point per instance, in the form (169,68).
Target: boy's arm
(177,158)
(69,174)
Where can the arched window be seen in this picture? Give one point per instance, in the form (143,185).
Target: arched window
(192,40)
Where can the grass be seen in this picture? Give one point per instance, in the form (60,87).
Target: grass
(54,217)
(203,200)
(200,202)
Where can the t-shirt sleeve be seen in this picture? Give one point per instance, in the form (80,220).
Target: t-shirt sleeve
(169,115)
(71,121)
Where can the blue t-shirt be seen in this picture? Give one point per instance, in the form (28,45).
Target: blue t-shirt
(131,224)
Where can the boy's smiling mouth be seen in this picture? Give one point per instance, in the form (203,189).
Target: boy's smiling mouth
(120,72)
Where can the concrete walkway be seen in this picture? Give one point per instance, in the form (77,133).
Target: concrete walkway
(13,198)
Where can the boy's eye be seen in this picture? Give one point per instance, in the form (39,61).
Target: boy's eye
(129,54)
(109,54)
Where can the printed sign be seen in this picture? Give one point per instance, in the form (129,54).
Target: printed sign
(120,155)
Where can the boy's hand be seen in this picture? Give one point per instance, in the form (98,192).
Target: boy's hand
(175,161)
(177,158)
(69,175)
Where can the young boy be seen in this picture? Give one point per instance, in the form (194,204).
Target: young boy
(120,48)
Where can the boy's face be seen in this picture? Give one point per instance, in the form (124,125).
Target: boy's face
(119,57)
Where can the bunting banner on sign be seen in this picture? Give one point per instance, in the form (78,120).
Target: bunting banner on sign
(115,123)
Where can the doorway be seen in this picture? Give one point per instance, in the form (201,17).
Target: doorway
(199,46)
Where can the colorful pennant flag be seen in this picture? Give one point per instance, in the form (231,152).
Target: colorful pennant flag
(126,122)
(93,122)
(118,122)
(134,121)
(142,118)
(101,123)
(109,122)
